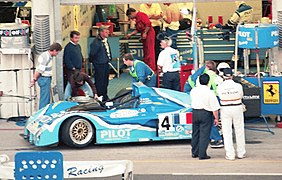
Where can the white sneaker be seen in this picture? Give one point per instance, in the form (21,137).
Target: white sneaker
(242,157)
(230,159)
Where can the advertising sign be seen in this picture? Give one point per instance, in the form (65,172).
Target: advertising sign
(271,93)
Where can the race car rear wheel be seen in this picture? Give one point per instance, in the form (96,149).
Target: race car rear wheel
(77,132)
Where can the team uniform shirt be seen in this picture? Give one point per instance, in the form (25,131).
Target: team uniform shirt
(230,93)
(204,98)
(174,25)
(155,9)
(169,60)
(45,64)
(242,14)
(142,21)
(140,71)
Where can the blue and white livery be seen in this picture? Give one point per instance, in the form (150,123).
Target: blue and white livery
(149,114)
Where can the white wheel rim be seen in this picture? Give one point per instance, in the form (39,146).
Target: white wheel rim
(81,131)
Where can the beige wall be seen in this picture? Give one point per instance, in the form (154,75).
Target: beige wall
(78,18)
(81,17)
(225,9)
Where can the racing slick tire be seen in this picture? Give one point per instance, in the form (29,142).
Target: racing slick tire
(77,132)
(124,98)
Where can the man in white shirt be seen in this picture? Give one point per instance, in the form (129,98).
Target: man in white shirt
(169,64)
(43,73)
(205,105)
(231,112)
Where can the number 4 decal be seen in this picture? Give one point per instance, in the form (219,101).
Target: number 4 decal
(165,123)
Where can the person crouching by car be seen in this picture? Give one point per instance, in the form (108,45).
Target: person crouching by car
(139,71)
(80,80)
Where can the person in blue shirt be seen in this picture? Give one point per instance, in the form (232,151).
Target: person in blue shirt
(191,82)
(140,71)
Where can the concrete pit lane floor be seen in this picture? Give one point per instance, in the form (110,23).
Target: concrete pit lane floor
(170,159)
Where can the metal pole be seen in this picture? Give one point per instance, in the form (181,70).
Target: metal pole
(257,57)
(59,57)
(30,74)
(194,36)
(236,50)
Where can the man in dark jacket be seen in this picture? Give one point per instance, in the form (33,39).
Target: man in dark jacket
(72,55)
(100,55)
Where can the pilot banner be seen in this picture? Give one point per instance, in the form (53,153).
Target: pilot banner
(271,93)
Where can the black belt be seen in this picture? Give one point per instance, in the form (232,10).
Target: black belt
(172,72)
(231,104)
(200,110)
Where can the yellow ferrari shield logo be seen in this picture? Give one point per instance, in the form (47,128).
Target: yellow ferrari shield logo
(271,92)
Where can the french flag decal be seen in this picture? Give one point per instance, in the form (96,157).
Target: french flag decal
(182,118)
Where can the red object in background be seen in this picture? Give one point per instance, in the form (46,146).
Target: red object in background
(185,72)
(110,24)
(26,22)
(210,20)
(220,20)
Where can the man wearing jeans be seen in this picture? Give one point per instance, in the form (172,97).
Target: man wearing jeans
(43,73)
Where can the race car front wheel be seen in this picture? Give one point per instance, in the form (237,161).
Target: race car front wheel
(77,132)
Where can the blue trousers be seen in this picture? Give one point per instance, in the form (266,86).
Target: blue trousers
(171,80)
(44,83)
(215,134)
(101,77)
(202,122)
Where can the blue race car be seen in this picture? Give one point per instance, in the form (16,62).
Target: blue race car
(148,114)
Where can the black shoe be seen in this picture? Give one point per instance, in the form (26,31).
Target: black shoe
(194,156)
(217,144)
(203,158)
